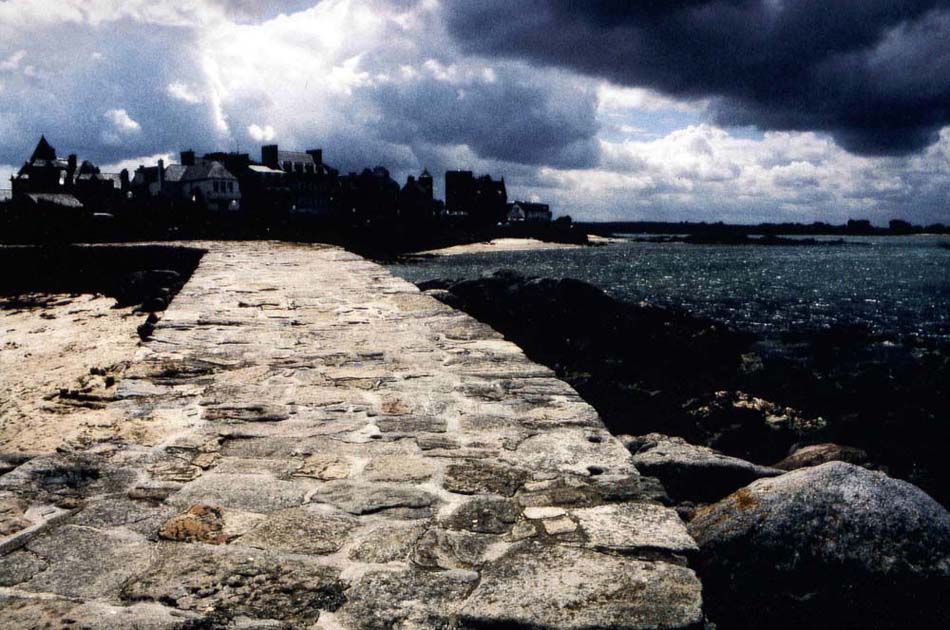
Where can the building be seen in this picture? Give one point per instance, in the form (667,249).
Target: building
(44,172)
(527,212)
(264,190)
(370,195)
(98,190)
(480,200)
(459,193)
(416,199)
(206,183)
(45,179)
(313,186)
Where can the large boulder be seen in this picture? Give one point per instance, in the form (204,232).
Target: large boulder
(689,472)
(834,546)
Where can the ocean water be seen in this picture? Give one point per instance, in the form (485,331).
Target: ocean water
(895,285)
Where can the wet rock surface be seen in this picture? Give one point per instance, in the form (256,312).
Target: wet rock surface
(345,454)
(833,546)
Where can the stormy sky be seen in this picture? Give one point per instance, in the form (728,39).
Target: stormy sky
(734,110)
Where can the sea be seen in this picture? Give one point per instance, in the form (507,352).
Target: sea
(894,285)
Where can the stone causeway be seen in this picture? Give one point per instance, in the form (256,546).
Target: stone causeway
(342,451)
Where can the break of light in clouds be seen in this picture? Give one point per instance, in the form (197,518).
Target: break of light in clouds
(607,110)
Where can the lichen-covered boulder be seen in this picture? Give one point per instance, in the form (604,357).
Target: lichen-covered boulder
(834,546)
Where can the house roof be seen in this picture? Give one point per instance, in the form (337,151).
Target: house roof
(264,169)
(115,178)
(43,151)
(58,199)
(88,168)
(207,170)
(175,172)
(294,156)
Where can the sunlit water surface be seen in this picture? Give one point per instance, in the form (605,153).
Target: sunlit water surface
(896,285)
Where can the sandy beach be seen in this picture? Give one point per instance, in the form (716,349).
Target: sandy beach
(59,362)
(503,245)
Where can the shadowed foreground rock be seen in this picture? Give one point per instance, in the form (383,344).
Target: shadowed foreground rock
(337,450)
(835,546)
(689,472)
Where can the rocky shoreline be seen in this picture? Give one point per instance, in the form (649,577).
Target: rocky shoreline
(781,455)
(652,369)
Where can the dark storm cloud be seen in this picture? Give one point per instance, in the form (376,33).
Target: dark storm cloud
(513,117)
(873,73)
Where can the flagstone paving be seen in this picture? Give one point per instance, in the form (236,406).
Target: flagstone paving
(340,451)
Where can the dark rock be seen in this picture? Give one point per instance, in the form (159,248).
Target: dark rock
(9,461)
(153,304)
(145,330)
(139,286)
(749,427)
(817,454)
(445,549)
(692,473)
(834,546)
(475,477)
(64,478)
(484,516)
(20,566)
(428,285)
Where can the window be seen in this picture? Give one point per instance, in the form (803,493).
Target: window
(230,187)
(216,187)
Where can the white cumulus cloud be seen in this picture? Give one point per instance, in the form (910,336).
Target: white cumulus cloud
(183,92)
(261,134)
(122,126)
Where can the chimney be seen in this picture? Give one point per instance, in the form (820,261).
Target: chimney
(188,158)
(161,176)
(70,170)
(317,155)
(269,156)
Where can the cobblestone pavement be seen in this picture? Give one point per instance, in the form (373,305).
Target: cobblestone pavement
(342,452)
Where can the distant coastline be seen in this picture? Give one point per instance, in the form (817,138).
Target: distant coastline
(854,227)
